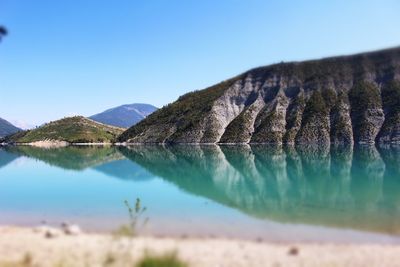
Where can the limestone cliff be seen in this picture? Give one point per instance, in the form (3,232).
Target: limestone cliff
(350,99)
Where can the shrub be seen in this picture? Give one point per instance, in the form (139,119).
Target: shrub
(167,260)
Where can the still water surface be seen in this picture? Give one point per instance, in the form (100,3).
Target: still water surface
(273,193)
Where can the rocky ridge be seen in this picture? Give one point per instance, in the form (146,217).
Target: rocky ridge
(349,99)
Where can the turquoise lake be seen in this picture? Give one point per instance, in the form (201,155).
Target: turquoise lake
(255,192)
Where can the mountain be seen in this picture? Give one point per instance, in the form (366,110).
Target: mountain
(348,99)
(124,116)
(7,128)
(72,130)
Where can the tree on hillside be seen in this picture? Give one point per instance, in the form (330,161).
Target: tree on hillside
(3,32)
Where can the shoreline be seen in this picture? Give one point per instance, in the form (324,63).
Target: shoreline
(56,143)
(17,244)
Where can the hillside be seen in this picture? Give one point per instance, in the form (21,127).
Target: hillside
(124,116)
(7,128)
(72,130)
(348,99)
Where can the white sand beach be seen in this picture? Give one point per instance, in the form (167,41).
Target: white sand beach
(30,247)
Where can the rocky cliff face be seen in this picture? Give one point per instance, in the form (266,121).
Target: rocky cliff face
(352,99)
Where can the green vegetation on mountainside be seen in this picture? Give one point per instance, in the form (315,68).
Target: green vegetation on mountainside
(72,130)
(187,112)
(364,98)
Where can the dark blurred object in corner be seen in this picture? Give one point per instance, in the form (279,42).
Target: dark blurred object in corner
(3,32)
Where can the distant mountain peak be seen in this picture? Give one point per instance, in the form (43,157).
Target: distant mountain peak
(125,115)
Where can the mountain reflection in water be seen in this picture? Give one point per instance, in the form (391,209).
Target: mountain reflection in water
(357,188)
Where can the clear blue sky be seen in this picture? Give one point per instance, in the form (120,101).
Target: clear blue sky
(80,57)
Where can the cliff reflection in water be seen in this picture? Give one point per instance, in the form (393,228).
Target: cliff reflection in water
(340,187)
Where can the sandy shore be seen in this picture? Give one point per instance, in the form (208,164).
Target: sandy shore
(28,247)
(48,144)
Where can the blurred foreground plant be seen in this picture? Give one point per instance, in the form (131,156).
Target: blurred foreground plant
(135,219)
